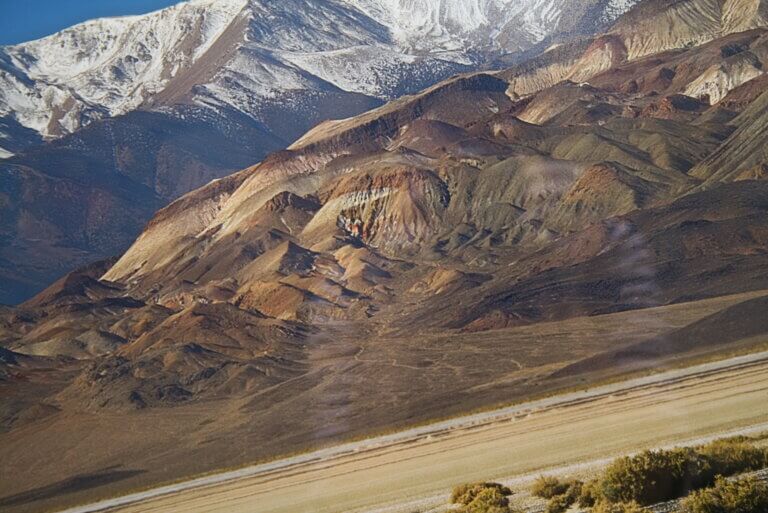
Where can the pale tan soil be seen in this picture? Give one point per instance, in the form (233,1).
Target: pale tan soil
(661,415)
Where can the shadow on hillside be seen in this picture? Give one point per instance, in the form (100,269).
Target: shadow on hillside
(73,484)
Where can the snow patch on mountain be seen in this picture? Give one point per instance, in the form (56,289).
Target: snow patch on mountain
(241,54)
(373,71)
(423,25)
(106,66)
(616,8)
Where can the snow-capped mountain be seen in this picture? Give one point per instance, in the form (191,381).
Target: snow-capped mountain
(253,55)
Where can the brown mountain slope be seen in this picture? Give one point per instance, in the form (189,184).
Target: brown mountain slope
(88,195)
(414,184)
(737,324)
(649,28)
(288,237)
(705,245)
(743,156)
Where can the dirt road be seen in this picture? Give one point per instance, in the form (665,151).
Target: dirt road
(424,463)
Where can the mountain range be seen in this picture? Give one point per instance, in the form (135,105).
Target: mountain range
(250,55)
(596,209)
(176,98)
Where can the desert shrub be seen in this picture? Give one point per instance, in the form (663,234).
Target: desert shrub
(481,494)
(574,490)
(590,494)
(489,500)
(465,493)
(734,456)
(547,487)
(746,495)
(620,507)
(655,476)
(560,503)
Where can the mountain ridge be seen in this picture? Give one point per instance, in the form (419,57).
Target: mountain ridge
(241,72)
(148,55)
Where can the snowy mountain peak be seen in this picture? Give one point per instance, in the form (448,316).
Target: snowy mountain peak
(106,66)
(239,54)
(433,17)
(415,22)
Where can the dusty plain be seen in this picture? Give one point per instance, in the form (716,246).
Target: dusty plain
(382,479)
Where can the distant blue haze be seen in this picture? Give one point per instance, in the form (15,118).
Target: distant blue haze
(25,20)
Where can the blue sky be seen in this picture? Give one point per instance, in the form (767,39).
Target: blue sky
(24,20)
